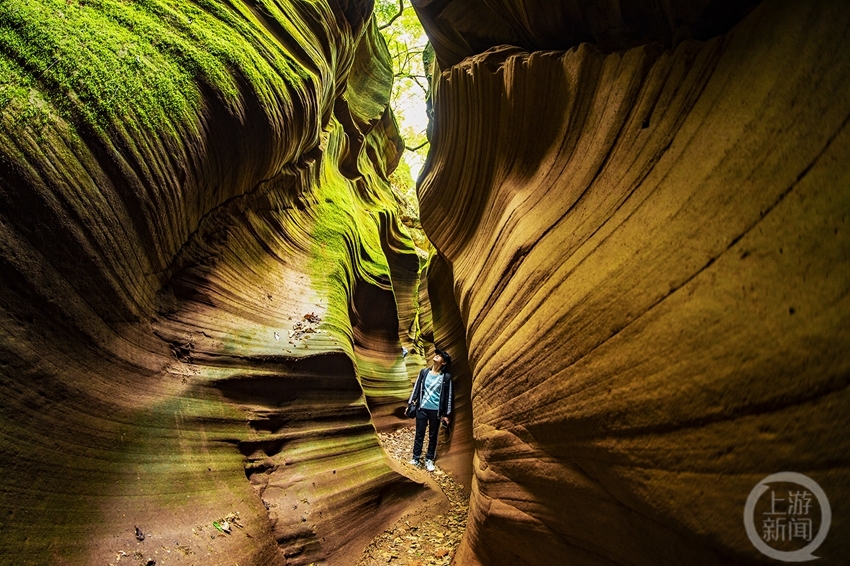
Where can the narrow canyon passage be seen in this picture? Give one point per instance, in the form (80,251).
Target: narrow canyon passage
(633,238)
(421,537)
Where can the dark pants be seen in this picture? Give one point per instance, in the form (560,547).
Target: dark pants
(429,418)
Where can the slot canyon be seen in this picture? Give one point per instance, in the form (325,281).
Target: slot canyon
(211,301)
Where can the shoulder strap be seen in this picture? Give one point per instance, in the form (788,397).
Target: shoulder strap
(417,387)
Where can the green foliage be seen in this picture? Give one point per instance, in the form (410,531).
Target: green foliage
(407,44)
(385,10)
(410,50)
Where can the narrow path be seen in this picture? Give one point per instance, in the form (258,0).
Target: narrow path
(419,543)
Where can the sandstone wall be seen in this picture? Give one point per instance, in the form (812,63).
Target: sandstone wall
(647,238)
(203,274)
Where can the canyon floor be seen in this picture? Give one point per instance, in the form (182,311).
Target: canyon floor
(415,540)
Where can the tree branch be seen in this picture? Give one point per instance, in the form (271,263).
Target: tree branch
(414,78)
(420,146)
(408,76)
(394,18)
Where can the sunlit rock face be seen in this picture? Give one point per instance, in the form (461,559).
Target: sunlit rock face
(205,286)
(647,238)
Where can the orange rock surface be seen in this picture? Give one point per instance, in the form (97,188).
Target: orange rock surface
(649,249)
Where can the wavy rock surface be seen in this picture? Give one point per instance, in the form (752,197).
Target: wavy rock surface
(462,28)
(203,275)
(650,252)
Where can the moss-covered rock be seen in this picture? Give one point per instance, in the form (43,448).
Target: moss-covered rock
(203,271)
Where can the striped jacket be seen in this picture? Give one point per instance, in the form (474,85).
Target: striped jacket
(446,392)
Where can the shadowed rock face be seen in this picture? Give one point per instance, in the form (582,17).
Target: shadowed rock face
(205,285)
(648,242)
(461,28)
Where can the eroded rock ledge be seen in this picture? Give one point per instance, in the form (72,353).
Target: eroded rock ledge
(650,252)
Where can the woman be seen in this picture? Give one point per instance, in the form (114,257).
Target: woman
(432,394)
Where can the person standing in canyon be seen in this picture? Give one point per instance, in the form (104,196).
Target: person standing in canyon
(433,396)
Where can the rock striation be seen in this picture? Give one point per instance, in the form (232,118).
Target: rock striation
(461,28)
(644,222)
(205,283)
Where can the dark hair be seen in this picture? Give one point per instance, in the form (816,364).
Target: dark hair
(447,359)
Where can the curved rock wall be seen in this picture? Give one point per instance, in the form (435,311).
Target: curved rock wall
(650,252)
(202,279)
(461,28)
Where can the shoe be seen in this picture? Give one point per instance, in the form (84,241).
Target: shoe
(414,462)
(429,465)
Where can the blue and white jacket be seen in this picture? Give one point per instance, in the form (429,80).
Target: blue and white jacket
(446,392)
